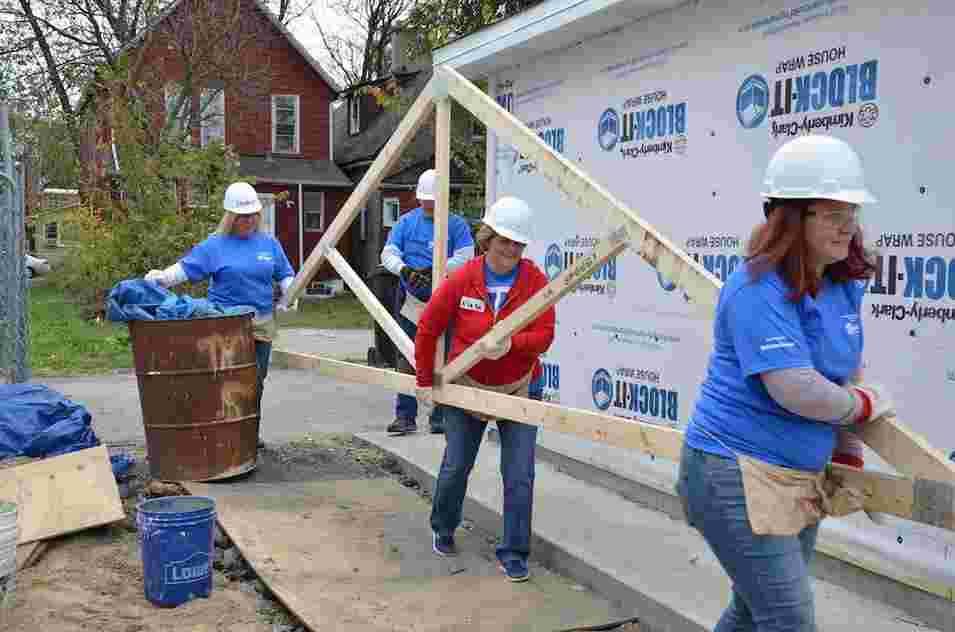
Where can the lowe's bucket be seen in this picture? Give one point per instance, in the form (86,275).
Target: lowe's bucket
(8,557)
(177,535)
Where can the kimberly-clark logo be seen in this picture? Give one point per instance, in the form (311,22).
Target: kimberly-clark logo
(752,101)
(602,388)
(608,129)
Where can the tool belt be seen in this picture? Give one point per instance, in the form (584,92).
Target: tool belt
(520,388)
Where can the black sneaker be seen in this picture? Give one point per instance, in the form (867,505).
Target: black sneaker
(402,427)
(515,570)
(443,545)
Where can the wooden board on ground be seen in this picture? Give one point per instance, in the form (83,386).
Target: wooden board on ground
(356,555)
(63,494)
(28,554)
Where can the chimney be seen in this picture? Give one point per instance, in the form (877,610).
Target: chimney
(401,60)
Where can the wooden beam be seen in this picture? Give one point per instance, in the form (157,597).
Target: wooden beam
(442,207)
(925,501)
(381,315)
(387,157)
(909,452)
(672,262)
(547,296)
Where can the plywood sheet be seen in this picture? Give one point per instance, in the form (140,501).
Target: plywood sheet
(63,494)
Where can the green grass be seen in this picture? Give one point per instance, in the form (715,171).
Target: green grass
(339,312)
(63,343)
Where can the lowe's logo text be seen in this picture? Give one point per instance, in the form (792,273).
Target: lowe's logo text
(806,94)
(193,568)
(633,399)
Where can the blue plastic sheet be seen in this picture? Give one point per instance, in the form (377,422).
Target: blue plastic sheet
(138,299)
(38,422)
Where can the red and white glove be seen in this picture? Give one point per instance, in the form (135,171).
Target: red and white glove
(848,449)
(875,400)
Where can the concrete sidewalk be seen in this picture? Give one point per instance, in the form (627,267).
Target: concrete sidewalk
(651,565)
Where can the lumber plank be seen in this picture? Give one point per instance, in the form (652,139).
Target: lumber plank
(908,452)
(698,284)
(442,206)
(63,494)
(28,554)
(926,501)
(387,158)
(547,296)
(372,304)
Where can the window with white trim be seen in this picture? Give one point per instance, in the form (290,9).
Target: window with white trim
(177,106)
(313,211)
(390,211)
(285,123)
(212,115)
(354,114)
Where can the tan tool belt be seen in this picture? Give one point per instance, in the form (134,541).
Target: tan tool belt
(265,331)
(520,388)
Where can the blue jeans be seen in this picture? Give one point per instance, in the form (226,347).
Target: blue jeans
(770,573)
(406,406)
(263,351)
(463,433)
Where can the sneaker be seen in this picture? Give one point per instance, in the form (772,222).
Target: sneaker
(443,545)
(515,570)
(436,426)
(402,427)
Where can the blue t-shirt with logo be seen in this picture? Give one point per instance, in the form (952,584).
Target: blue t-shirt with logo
(413,237)
(241,269)
(498,285)
(759,329)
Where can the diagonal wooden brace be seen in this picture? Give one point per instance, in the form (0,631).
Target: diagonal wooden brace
(381,315)
(387,158)
(547,296)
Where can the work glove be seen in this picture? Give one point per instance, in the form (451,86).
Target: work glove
(876,402)
(425,397)
(156,276)
(492,351)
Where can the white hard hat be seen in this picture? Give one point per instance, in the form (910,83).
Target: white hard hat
(426,185)
(511,217)
(816,166)
(241,198)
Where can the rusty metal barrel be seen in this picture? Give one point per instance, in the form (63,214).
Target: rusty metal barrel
(197,390)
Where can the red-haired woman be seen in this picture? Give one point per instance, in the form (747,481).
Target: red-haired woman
(782,388)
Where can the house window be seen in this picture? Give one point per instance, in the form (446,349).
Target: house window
(53,234)
(354,114)
(285,124)
(390,211)
(313,211)
(212,115)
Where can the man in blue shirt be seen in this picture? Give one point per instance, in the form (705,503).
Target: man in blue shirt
(409,254)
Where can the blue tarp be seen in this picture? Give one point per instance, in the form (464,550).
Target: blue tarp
(38,422)
(138,299)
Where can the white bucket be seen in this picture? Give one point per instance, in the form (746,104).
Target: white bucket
(8,557)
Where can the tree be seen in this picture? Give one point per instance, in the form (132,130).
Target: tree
(440,21)
(360,51)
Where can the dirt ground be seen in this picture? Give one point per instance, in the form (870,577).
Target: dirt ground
(94,580)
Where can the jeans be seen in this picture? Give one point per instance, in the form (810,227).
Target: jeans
(406,406)
(770,573)
(463,434)
(263,353)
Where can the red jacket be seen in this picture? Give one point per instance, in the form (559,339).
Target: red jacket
(472,319)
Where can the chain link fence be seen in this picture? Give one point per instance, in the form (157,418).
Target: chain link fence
(14,285)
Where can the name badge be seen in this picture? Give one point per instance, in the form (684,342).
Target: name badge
(472,304)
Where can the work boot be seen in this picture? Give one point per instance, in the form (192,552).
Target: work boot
(443,545)
(515,570)
(402,427)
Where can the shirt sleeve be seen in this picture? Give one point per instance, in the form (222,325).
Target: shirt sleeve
(283,268)
(462,243)
(197,264)
(392,255)
(766,330)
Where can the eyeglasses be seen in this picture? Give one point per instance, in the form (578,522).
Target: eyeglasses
(837,219)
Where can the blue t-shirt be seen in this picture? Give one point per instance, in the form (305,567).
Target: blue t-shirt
(758,329)
(498,285)
(413,237)
(241,270)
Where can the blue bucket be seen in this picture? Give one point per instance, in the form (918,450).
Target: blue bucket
(177,536)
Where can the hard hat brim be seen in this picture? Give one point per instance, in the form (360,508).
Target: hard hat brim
(509,234)
(424,196)
(250,210)
(850,196)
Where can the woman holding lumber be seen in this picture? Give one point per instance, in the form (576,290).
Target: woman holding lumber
(782,391)
(484,291)
(242,262)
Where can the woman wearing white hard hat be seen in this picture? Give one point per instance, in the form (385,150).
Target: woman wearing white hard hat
(479,294)
(783,387)
(242,263)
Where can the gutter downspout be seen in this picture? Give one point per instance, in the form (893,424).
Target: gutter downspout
(301,229)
